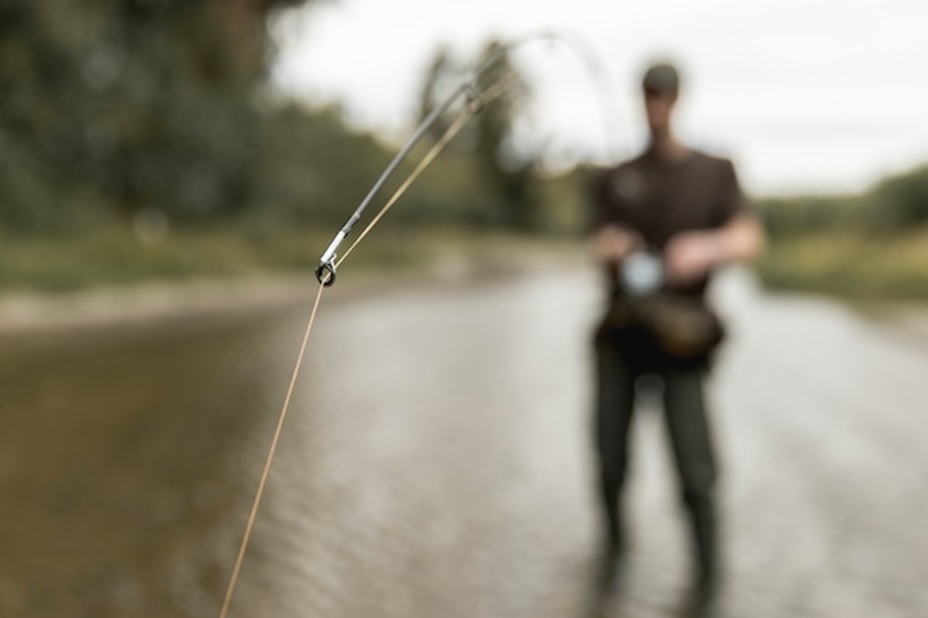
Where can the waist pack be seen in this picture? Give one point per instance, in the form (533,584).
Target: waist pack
(683,328)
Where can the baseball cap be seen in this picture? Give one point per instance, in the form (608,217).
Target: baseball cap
(662,77)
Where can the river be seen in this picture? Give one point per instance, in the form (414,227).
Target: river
(436,462)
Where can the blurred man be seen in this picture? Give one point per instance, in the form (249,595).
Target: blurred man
(663,222)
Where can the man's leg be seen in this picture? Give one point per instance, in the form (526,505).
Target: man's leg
(615,398)
(693,450)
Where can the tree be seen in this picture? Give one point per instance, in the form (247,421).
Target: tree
(489,139)
(440,77)
(512,177)
(137,104)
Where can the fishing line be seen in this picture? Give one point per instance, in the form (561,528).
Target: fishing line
(596,71)
(474,106)
(328,262)
(452,131)
(233,580)
(475,101)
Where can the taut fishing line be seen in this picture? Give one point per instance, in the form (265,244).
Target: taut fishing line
(475,100)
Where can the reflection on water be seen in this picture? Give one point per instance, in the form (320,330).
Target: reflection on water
(435,464)
(128,460)
(117,453)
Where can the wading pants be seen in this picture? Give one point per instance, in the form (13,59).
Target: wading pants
(691,444)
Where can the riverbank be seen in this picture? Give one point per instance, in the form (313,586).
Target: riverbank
(116,277)
(205,275)
(850,264)
(129,464)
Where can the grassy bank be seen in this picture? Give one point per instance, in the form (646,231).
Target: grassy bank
(117,256)
(846,262)
(851,264)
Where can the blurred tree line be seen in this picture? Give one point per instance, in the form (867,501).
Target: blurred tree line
(873,245)
(512,177)
(120,109)
(128,105)
(897,204)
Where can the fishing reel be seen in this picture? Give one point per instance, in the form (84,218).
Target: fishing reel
(641,273)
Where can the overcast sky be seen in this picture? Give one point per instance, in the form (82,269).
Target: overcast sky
(805,95)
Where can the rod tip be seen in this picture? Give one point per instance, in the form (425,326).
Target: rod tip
(325,274)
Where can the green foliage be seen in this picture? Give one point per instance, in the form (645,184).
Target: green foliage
(317,170)
(894,205)
(132,104)
(874,245)
(850,264)
(134,109)
(901,201)
(788,217)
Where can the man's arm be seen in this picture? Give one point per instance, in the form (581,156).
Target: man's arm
(613,243)
(691,255)
(612,240)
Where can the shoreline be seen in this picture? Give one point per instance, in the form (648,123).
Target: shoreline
(34,313)
(26,313)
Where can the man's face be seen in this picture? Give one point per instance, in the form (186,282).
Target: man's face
(659,107)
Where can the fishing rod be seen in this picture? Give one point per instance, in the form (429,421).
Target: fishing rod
(469,91)
(475,101)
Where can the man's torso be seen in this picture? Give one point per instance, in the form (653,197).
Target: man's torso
(660,199)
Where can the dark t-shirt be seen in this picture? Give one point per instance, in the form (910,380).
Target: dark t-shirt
(660,199)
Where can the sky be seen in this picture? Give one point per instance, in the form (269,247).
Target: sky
(807,96)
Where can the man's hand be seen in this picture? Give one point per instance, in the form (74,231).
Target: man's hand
(690,256)
(613,243)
